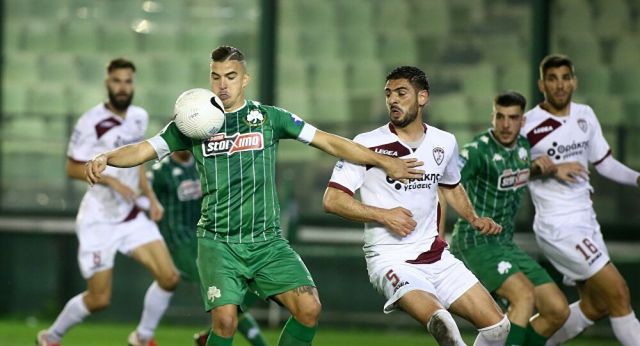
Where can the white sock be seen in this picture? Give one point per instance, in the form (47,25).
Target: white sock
(444,329)
(626,329)
(494,335)
(73,313)
(156,301)
(574,325)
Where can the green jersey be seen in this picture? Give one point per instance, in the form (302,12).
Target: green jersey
(237,171)
(177,186)
(495,177)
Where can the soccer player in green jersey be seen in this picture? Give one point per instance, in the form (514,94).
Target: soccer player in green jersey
(240,246)
(177,186)
(495,170)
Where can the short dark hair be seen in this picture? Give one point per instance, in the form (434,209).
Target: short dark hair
(554,61)
(510,98)
(119,63)
(414,75)
(224,53)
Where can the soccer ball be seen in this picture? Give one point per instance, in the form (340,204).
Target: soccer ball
(198,113)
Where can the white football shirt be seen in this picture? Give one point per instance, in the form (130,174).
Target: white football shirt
(439,153)
(575,137)
(99,130)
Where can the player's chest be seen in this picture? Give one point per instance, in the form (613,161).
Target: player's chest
(508,170)
(238,136)
(120,134)
(569,141)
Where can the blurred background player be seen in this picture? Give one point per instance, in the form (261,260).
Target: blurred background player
(239,238)
(565,223)
(176,183)
(108,220)
(495,169)
(406,258)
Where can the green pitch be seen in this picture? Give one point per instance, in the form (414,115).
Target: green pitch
(17,332)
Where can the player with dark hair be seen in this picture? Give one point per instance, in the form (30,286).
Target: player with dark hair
(495,168)
(565,224)
(240,246)
(408,262)
(176,183)
(109,221)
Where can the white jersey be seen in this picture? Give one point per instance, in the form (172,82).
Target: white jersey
(97,131)
(438,151)
(575,137)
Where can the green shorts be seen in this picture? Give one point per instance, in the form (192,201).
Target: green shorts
(229,270)
(184,257)
(493,264)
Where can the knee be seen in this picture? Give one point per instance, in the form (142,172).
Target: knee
(225,325)
(169,281)
(594,309)
(524,300)
(557,315)
(309,314)
(97,301)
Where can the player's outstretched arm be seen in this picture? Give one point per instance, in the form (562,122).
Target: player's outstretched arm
(345,149)
(398,220)
(130,155)
(615,170)
(457,198)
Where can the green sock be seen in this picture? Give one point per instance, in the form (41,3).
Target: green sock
(517,335)
(533,338)
(216,340)
(296,334)
(248,327)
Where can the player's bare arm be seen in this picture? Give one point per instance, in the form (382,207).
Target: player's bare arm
(457,198)
(130,155)
(346,149)
(398,220)
(543,166)
(156,211)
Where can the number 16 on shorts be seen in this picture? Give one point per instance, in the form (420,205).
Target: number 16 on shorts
(589,250)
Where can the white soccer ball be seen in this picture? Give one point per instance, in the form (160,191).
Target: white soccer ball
(198,113)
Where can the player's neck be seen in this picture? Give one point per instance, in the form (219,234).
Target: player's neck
(115,111)
(559,112)
(412,132)
(236,107)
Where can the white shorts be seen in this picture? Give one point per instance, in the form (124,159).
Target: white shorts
(447,279)
(573,244)
(99,242)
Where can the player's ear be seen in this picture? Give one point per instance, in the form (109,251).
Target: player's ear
(245,79)
(423,98)
(541,85)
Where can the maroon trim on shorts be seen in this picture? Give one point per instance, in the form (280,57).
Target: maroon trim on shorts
(132,214)
(433,255)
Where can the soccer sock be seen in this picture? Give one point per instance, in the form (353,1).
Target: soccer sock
(73,313)
(217,340)
(443,328)
(626,329)
(517,335)
(248,327)
(574,325)
(533,338)
(156,301)
(296,334)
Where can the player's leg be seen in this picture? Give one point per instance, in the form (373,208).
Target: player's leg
(519,292)
(95,298)
(425,308)
(609,287)
(553,311)
(304,305)
(477,307)
(247,325)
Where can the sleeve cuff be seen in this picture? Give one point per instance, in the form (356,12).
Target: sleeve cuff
(448,186)
(340,187)
(603,158)
(160,146)
(307,133)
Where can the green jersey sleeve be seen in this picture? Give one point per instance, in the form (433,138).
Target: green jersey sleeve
(286,125)
(469,161)
(174,138)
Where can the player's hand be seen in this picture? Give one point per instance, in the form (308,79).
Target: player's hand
(546,165)
(94,168)
(486,226)
(156,210)
(399,221)
(403,169)
(570,172)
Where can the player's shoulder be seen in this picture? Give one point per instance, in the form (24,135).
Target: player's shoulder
(377,136)
(583,110)
(137,111)
(480,141)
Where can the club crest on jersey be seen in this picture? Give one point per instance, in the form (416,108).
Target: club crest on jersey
(438,155)
(254,118)
(220,143)
(582,124)
(523,155)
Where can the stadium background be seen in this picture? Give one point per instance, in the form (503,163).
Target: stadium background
(324,60)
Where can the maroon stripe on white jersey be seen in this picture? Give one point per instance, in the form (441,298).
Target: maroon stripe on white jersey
(340,187)
(542,130)
(433,254)
(395,149)
(105,125)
